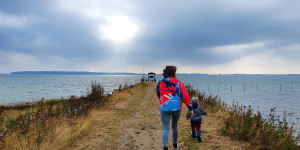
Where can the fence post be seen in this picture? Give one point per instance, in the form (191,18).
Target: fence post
(297,123)
(280,87)
(257,107)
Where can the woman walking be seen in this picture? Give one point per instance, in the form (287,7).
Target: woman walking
(170,92)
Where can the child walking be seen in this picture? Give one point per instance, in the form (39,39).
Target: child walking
(196,118)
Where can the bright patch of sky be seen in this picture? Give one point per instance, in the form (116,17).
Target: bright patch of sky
(120,29)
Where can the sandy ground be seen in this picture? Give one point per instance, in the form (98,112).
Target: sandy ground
(131,121)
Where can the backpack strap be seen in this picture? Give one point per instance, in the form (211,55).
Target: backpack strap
(179,93)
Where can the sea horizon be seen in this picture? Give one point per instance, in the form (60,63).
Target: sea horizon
(132,73)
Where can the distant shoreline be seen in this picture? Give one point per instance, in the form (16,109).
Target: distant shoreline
(70,73)
(127,73)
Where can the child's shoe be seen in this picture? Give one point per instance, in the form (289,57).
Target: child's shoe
(199,136)
(199,139)
(193,135)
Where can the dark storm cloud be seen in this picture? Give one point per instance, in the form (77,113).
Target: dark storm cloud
(49,32)
(187,32)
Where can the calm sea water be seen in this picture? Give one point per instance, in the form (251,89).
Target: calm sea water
(262,92)
(15,88)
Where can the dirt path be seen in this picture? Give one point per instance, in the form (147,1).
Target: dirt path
(132,121)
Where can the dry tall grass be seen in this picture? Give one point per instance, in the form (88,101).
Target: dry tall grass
(64,133)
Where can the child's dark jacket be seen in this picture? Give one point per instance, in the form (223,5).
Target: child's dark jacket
(197,114)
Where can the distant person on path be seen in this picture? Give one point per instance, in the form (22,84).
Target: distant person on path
(196,118)
(170,92)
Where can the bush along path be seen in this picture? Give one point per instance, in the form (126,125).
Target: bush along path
(131,120)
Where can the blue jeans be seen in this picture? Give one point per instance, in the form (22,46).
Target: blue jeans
(165,119)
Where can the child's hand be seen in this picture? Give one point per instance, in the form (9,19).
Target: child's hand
(188,114)
(205,112)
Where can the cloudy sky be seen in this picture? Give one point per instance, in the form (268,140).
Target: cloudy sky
(232,36)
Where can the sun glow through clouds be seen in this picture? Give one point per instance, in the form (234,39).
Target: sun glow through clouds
(119,29)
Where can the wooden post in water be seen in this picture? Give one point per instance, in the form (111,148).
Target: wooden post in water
(257,107)
(290,117)
(297,123)
(280,87)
